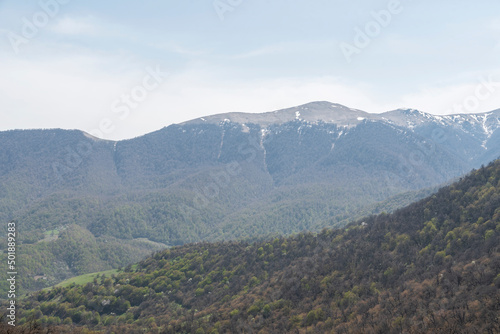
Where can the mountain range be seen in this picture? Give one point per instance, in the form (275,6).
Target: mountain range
(85,204)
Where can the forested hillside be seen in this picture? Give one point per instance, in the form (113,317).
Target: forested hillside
(432,267)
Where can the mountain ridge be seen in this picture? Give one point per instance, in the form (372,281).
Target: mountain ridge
(324,110)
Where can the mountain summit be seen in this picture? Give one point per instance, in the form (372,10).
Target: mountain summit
(323,111)
(311,112)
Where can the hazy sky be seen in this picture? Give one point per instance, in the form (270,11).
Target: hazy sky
(127,68)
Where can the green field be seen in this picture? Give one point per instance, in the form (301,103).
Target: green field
(51,232)
(50,235)
(83,279)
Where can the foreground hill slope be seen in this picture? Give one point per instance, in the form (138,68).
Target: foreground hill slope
(432,267)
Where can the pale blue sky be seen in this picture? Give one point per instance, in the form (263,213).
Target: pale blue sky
(264,55)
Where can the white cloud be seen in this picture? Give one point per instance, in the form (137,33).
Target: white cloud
(495,25)
(76,26)
(178,48)
(469,97)
(65,92)
(264,51)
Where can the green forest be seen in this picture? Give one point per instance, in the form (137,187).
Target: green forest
(431,267)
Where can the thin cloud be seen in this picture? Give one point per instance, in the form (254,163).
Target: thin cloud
(76,26)
(455,98)
(264,51)
(178,49)
(495,25)
(65,92)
